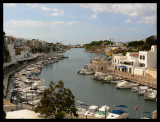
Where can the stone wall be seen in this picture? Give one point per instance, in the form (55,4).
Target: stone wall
(151,72)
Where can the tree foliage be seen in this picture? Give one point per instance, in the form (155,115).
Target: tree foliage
(57,99)
(97,43)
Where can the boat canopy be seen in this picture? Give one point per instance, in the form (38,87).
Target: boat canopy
(118,112)
(29,75)
(124,106)
(122,66)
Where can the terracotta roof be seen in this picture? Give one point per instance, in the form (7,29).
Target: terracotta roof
(135,55)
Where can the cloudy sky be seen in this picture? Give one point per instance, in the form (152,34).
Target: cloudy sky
(80,23)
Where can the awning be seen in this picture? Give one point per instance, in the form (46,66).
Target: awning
(122,66)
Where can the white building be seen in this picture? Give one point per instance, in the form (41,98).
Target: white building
(149,58)
(136,62)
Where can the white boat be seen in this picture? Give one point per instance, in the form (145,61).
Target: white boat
(124,84)
(117,81)
(81,109)
(103,112)
(34,102)
(27,81)
(38,83)
(134,89)
(82,71)
(150,94)
(142,89)
(119,113)
(29,96)
(91,110)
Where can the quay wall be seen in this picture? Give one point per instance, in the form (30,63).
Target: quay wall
(143,80)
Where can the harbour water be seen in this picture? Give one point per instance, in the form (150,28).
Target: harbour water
(90,91)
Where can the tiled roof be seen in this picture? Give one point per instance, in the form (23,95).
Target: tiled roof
(135,55)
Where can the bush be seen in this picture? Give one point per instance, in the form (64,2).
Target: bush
(59,115)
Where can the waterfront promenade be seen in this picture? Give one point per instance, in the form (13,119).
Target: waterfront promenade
(143,80)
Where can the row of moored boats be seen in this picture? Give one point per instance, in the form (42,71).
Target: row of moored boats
(28,88)
(104,112)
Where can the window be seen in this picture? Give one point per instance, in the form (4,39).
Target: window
(101,68)
(143,57)
(129,70)
(140,57)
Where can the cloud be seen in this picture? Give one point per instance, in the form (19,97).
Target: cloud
(32,23)
(97,8)
(94,16)
(148,20)
(144,11)
(72,22)
(64,22)
(128,21)
(60,12)
(44,8)
(33,5)
(10,4)
(23,23)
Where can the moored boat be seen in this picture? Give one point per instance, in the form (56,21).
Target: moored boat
(119,113)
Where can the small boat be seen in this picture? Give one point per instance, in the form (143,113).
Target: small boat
(29,96)
(147,115)
(150,94)
(119,113)
(124,84)
(34,102)
(134,89)
(91,110)
(82,71)
(81,110)
(117,81)
(142,89)
(38,83)
(103,112)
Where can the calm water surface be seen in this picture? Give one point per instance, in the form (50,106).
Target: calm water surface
(90,91)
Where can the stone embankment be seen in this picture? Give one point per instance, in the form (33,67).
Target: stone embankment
(143,80)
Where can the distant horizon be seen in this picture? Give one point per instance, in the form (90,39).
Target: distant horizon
(80,23)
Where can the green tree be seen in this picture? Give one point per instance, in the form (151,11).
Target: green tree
(4,114)
(59,115)
(57,99)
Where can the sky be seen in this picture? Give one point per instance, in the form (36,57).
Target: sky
(77,23)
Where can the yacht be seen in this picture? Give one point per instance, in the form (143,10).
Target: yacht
(134,89)
(38,83)
(119,113)
(142,89)
(91,110)
(117,81)
(103,112)
(150,94)
(124,84)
